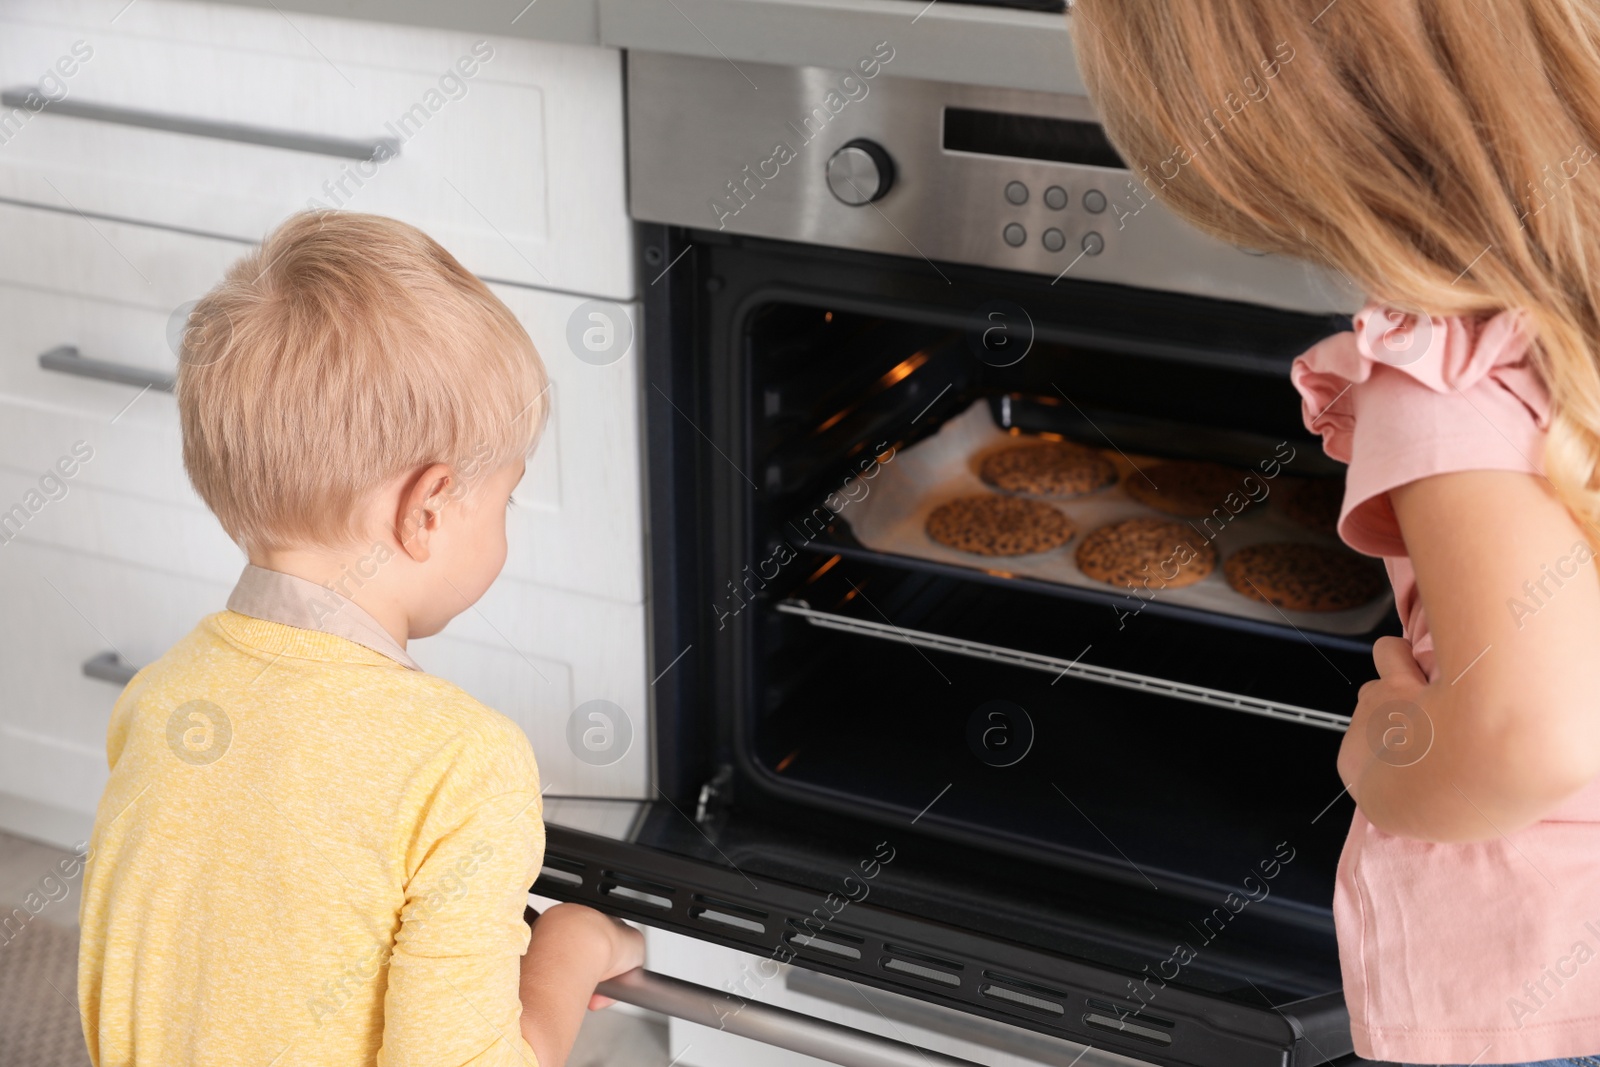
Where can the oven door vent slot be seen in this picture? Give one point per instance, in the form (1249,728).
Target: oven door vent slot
(562,871)
(1023,994)
(840,946)
(721,913)
(927,968)
(560,877)
(1114,1025)
(1130,1013)
(722,918)
(636,890)
(1087,671)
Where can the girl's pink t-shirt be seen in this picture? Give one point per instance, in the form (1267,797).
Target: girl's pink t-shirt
(1454,953)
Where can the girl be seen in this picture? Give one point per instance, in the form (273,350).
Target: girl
(1438,154)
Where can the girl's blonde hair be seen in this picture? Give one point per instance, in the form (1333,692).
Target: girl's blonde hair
(1436,152)
(347,350)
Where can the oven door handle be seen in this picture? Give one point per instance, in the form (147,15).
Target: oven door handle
(769,1025)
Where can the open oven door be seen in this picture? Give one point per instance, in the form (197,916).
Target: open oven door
(834,912)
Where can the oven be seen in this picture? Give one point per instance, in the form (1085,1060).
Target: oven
(1071,815)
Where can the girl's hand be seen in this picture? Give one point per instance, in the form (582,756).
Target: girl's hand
(1389,723)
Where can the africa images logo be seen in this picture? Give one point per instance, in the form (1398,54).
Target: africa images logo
(199,732)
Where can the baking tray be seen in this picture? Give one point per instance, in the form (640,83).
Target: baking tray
(890,520)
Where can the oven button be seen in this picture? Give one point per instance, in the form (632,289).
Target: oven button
(1015,235)
(860,173)
(1093,244)
(1016,192)
(1054,240)
(1055,198)
(1094,201)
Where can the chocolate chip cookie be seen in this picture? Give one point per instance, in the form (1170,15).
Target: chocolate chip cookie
(1047,468)
(1146,553)
(1301,577)
(991,525)
(1311,502)
(1190,489)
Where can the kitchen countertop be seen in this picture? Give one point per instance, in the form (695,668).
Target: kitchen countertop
(941,41)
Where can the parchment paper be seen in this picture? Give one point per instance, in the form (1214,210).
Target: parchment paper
(893,516)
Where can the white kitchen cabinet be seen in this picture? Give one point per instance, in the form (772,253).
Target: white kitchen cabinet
(63,608)
(224,120)
(579,526)
(534,655)
(108,290)
(108,227)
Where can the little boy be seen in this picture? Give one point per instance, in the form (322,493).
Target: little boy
(310,851)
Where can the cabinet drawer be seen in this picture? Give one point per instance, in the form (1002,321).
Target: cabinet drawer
(48,509)
(52,718)
(580,524)
(137,266)
(535,655)
(43,413)
(224,120)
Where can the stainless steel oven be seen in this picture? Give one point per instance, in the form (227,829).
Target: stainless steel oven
(1070,816)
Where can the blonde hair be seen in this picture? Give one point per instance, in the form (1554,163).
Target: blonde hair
(1432,150)
(343,352)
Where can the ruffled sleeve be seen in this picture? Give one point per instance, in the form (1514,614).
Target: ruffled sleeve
(1402,397)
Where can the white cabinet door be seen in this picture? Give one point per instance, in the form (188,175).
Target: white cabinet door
(224,120)
(579,520)
(63,608)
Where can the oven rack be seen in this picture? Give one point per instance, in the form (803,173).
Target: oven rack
(839,539)
(887,631)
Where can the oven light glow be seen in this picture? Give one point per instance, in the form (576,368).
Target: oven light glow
(783,764)
(827,316)
(824,569)
(833,420)
(898,373)
(903,370)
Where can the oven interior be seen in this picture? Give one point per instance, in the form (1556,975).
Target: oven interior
(830,698)
(1120,783)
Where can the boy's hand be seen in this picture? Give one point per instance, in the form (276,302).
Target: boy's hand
(627,952)
(618,947)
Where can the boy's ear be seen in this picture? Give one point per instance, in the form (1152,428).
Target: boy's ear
(422,509)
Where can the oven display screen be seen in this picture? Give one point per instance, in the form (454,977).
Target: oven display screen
(994,133)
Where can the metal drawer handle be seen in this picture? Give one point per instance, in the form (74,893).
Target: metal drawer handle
(771,1026)
(68,360)
(109,667)
(343,148)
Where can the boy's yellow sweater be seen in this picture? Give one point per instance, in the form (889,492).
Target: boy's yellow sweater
(307,854)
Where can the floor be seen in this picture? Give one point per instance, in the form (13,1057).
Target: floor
(38,963)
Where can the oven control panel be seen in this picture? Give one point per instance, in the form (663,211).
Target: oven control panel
(1054,213)
(941,172)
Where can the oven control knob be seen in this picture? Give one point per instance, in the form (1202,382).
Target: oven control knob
(860,173)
